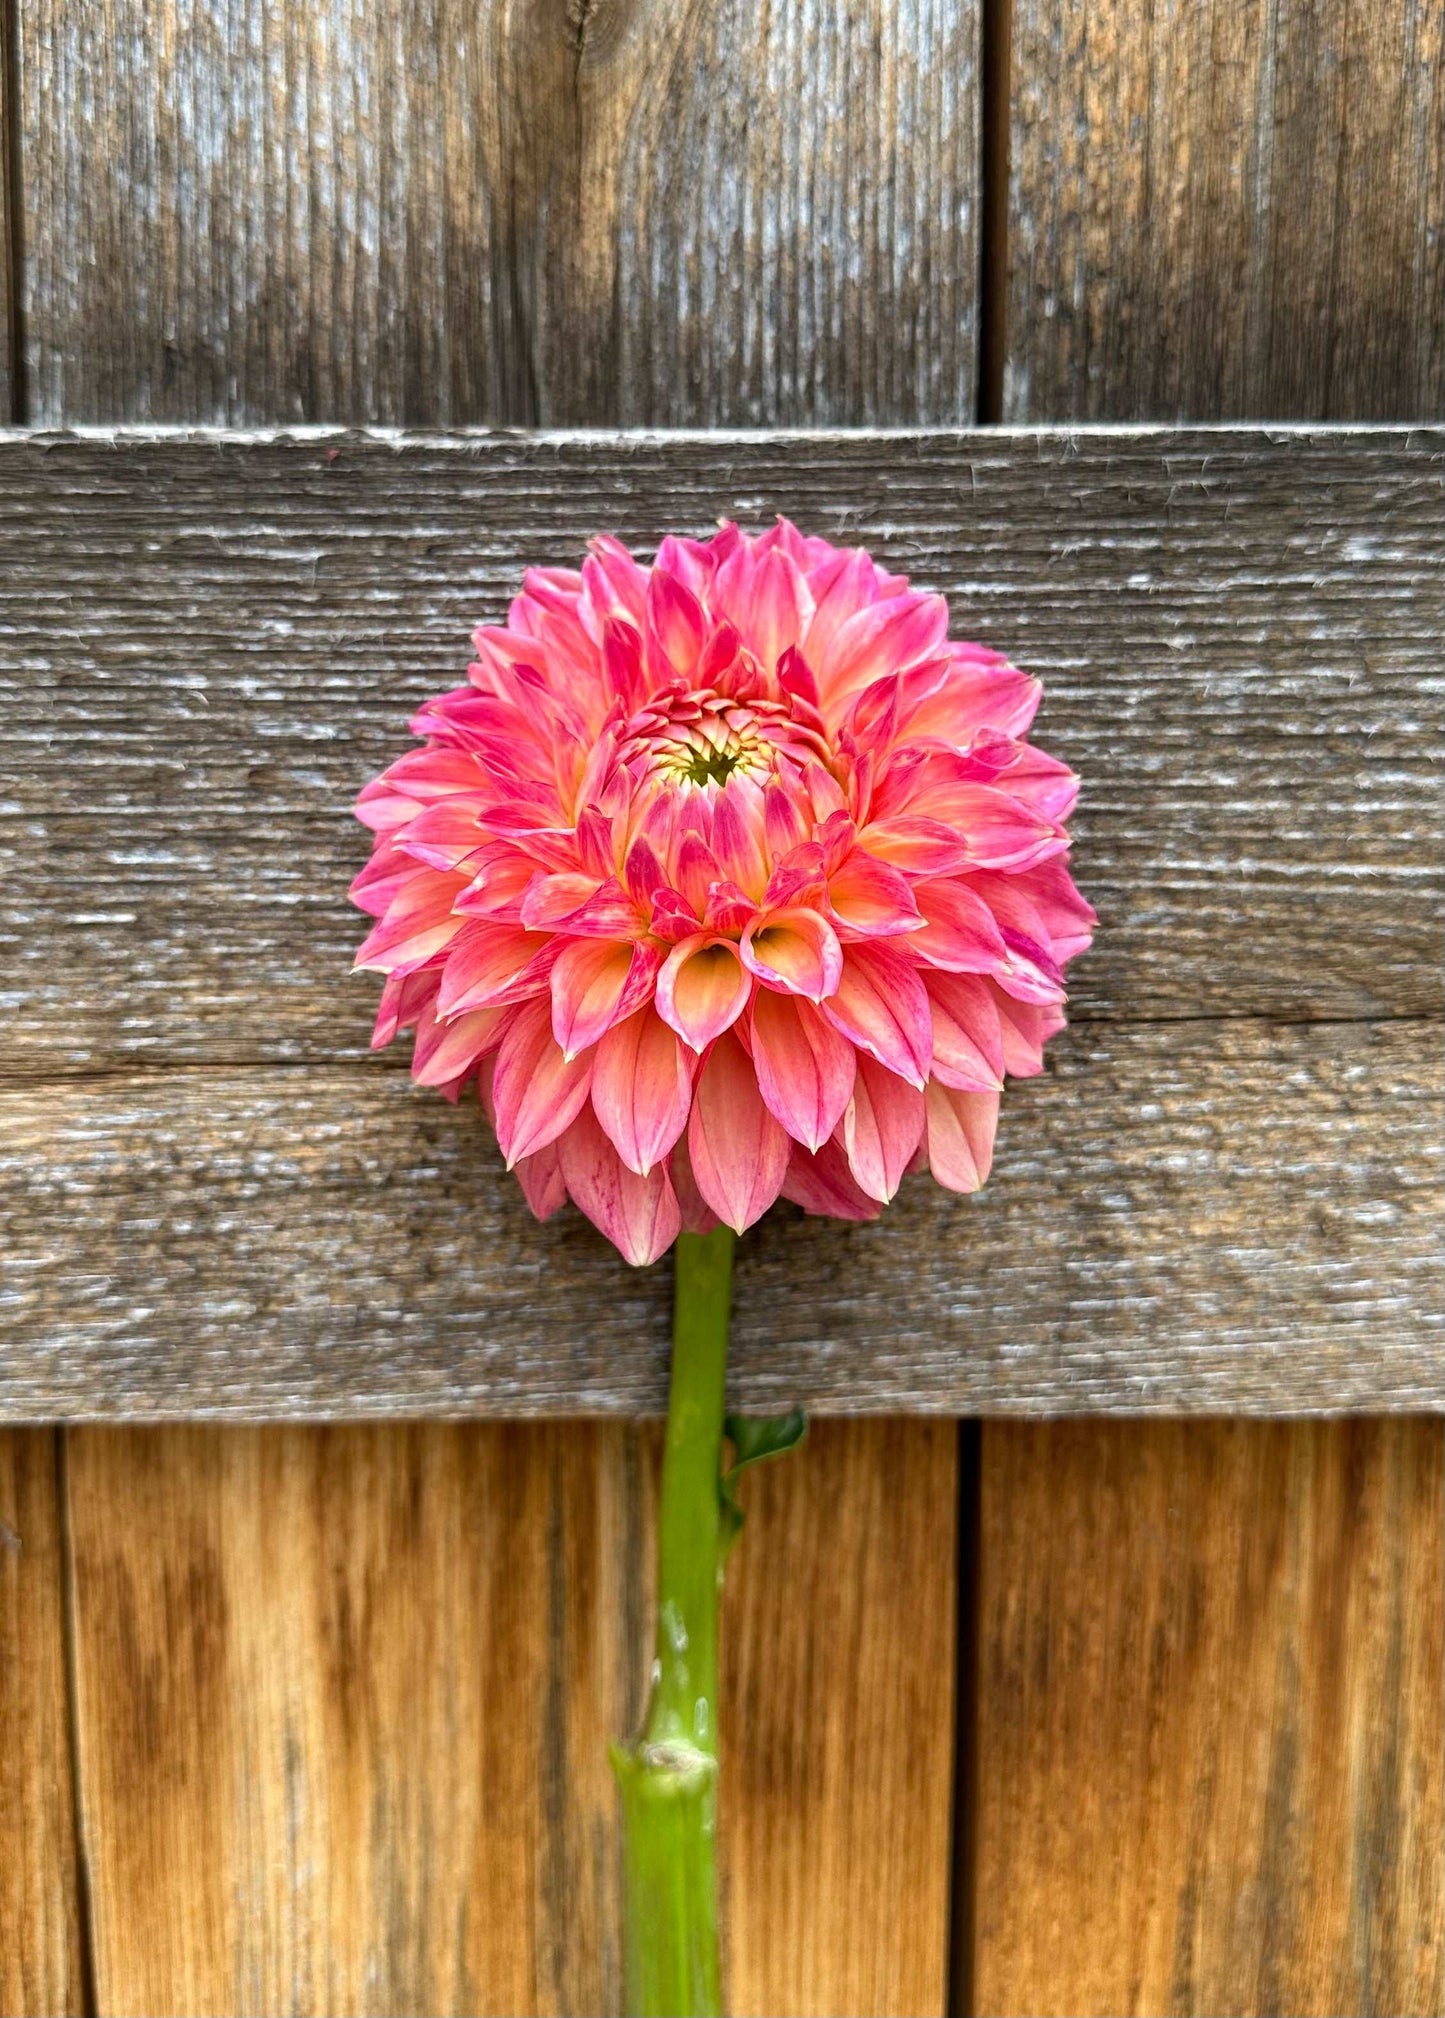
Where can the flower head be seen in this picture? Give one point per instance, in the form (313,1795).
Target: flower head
(726,878)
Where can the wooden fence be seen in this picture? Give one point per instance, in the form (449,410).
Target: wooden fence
(305,1713)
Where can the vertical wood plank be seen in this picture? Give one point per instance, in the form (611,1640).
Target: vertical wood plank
(837,1706)
(343,1710)
(1229,210)
(430,211)
(1212,1690)
(40,1955)
(345,1696)
(9,217)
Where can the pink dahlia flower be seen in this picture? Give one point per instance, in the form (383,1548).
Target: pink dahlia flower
(726,878)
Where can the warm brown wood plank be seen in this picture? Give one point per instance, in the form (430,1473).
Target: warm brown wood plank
(378,211)
(344,1697)
(838,1669)
(1226,209)
(40,1956)
(1198,1216)
(1211,1696)
(206,648)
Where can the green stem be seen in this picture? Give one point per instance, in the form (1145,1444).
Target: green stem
(668,1774)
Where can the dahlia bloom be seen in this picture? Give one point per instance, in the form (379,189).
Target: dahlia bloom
(726,878)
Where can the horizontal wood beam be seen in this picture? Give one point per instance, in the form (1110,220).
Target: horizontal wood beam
(207,645)
(1222,1197)
(1216,1216)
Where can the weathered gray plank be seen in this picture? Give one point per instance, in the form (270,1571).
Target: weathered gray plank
(1195,1216)
(9,408)
(206,647)
(431,211)
(1226,209)
(209,644)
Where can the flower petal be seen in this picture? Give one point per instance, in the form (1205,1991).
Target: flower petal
(795,950)
(676,626)
(960,1135)
(968,1051)
(737,1150)
(451,1050)
(959,933)
(871,897)
(702,988)
(804,1068)
(542,1183)
(494,963)
(823,1183)
(882,1126)
(639,1215)
(642,1089)
(881,1007)
(879,639)
(536,1091)
(419,922)
(1025,1028)
(596,983)
(697,1215)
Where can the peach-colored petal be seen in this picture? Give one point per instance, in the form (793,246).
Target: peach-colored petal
(822,1182)
(882,1126)
(452,1050)
(880,1006)
(959,932)
(737,1150)
(596,983)
(639,1215)
(871,897)
(536,1091)
(702,988)
(543,1185)
(796,950)
(960,1135)
(805,1069)
(642,1089)
(490,963)
(697,1215)
(968,1051)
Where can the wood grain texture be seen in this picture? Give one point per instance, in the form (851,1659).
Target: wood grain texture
(207,647)
(11,404)
(344,1697)
(1199,1216)
(837,1723)
(432,212)
(1226,210)
(343,1702)
(1210,1706)
(40,1956)
(218,641)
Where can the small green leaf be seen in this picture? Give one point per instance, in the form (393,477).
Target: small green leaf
(753,1437)
(758,1436)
